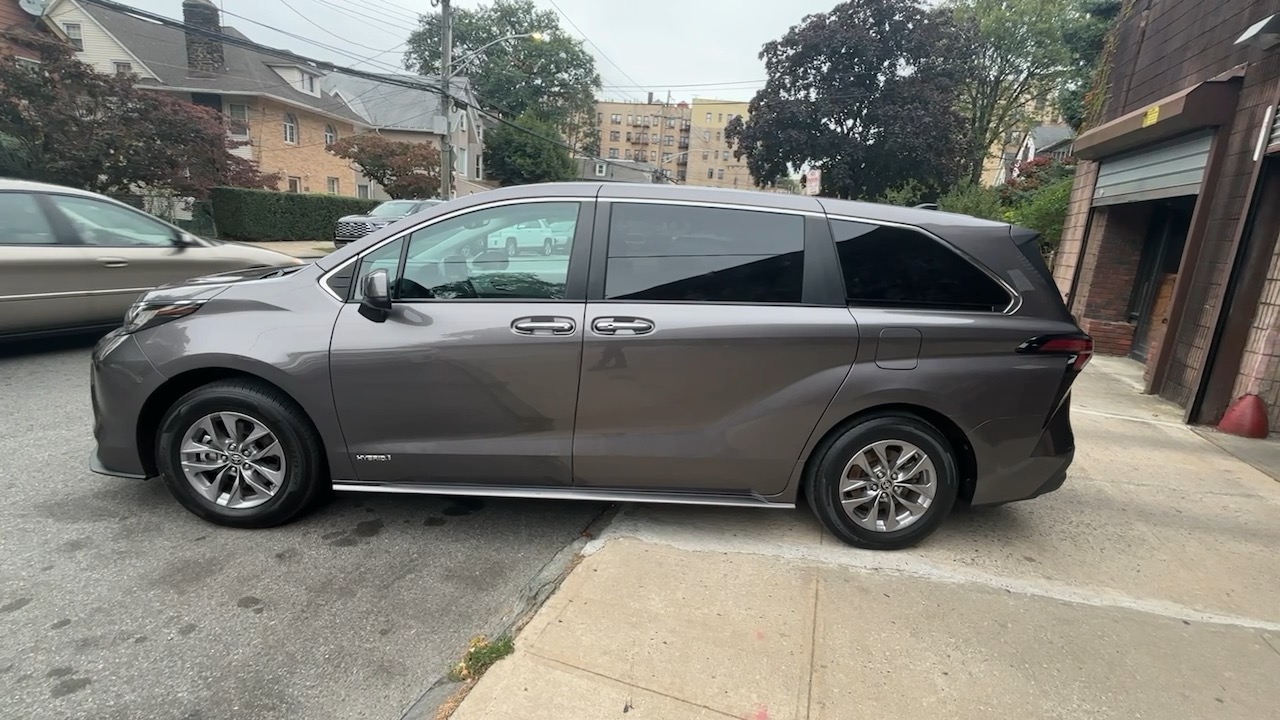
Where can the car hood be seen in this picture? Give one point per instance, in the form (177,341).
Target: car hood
(370,218)
(207,286)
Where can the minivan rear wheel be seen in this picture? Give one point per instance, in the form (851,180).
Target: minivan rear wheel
(241,454)
(885,483)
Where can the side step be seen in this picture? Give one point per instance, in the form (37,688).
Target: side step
(559,493)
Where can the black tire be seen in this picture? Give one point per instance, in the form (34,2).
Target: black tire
(512,247)
(305,477)
(822,483)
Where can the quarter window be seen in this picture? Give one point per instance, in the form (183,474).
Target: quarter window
(511,252)
(898,267)
(105,224)
(24,221)
(692,254)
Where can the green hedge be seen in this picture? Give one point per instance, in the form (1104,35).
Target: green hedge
(242,214)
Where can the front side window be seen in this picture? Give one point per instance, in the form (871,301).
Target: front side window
(510,252)
(386,258)
(101,223)
(24,221)
(290,128)
(694,254)
(899,267)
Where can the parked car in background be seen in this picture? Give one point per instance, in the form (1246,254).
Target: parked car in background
(542,235)
(354,227)
(74,260)
(691,346)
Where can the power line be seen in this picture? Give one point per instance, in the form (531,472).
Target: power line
(327,31)
(594,45)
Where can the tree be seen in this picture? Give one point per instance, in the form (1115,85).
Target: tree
(1019,58)
(555,77)
(63,122)
(514,157)
(1085,41)
(403,169)
(864,92)
(973,199)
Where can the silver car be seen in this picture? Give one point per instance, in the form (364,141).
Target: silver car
(689,346)
(74,260)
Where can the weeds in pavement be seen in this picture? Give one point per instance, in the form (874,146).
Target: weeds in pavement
(481,653)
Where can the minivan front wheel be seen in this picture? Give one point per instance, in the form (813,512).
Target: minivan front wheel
(885,483)
(240,453)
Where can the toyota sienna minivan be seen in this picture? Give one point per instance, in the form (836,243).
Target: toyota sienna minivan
(687,346)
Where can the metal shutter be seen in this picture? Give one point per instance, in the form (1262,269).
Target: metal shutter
(1275,129)
(1170,169)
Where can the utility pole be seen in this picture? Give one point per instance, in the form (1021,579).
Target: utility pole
(446,60)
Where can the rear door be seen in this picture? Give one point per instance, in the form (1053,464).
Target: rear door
(38,290)
(713,345)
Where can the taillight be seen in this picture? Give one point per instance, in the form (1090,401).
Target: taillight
(1078,347)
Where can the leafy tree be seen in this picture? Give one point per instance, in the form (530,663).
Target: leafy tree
(973,199)
(1084,42)
(866,93)
(1045,210)
(514,157)
(1029,176)
(907,194)
(555,76)
(1019,59)
(63,122)
(403,169)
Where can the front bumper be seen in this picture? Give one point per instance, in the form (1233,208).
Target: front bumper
(121,378)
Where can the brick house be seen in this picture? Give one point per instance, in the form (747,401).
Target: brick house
(278,108)
(19,25)
(1170,254)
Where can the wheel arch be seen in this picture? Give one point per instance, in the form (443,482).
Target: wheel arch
(966,459)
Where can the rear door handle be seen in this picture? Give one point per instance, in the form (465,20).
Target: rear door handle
(113,262)
(543,326)
(616,325)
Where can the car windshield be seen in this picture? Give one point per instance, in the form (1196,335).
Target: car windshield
(393,208)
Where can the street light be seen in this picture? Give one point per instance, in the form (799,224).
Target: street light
(447,73)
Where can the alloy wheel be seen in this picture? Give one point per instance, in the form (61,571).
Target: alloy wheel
(232,460)
(888,485)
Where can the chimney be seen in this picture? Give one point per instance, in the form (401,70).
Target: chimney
(650,98)
(204,54)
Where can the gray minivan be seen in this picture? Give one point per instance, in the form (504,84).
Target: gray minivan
(688,346)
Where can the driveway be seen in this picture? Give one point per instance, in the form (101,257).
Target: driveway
(116,603)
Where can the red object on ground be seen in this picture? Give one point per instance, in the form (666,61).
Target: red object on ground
(1247,417)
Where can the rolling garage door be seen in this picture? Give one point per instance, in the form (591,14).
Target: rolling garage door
(1170,169)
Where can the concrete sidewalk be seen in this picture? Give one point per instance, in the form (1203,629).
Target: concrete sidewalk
(1145,588)
(307,249)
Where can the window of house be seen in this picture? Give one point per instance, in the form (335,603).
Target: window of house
(330,135)
(615,118)
(295,184)
(708,118)
(668,140)
(720,174)
(461,161)
(696,254)
(28,64)
(682,176)
(671,122)
(123,68)
(631,120)
(613,153)
(646,119)
(239,119)
(290,128)
(24,222)
(706,136)
(362,191)
(499,253)
(721,117)
(332,186)
(706,155)
(716,154)
(107,224)
(717,136)
(614,135)
(599,118)
(602,169)
(711,173)
(75,34)
(666,157)
(311,83)
(628,136)
(627,153)
(644,137)
(897,267)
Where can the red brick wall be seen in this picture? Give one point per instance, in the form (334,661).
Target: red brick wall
(1068,255)
(1108,274)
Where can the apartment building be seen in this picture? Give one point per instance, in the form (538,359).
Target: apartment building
(711,162)
(648,132)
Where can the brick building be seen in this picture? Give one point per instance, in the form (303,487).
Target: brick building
(1170,250)
(650,132)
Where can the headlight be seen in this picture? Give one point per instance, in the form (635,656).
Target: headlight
(143,315)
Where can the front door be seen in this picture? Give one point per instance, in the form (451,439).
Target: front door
(1157,269)
(702,369)
(473,377)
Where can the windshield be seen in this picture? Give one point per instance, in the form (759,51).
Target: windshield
(393,208)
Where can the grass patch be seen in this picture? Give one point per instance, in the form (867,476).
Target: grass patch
(481,654)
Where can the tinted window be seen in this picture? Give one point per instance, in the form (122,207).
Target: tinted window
(24,222)
(693,254)
(102,223)
(510,252)
(897,267)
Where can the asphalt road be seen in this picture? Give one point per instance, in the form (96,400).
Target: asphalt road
(117,603)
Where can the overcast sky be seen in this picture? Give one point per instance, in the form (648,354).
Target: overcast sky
(707,46)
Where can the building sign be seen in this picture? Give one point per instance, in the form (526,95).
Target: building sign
(1151,116)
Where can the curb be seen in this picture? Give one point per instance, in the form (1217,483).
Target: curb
(529,601)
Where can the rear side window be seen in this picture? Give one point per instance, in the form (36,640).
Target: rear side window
(898,267)
(24,221)
(694,254)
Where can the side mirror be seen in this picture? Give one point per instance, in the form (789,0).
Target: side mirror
(182,240)
(375,296)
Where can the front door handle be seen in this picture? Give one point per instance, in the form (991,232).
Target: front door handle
(113,262)
(543,326)
(615,325)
